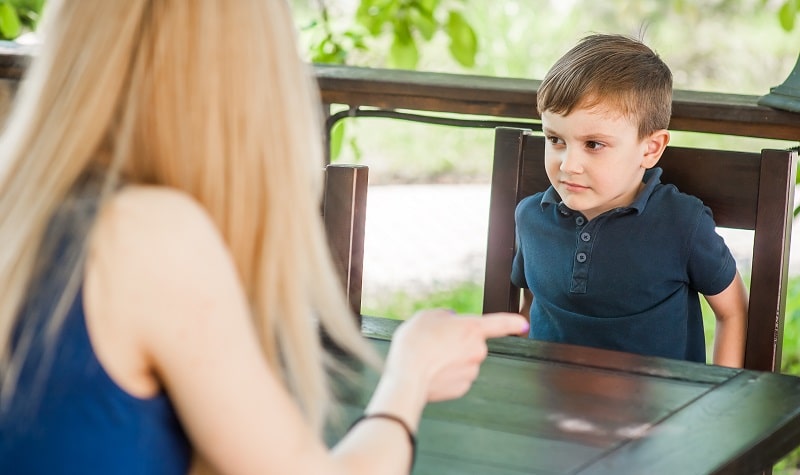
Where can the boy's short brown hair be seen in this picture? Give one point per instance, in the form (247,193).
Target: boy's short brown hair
(620,72)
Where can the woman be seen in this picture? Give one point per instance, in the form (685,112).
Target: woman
(164,274)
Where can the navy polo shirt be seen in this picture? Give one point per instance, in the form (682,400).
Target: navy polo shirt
(627,280)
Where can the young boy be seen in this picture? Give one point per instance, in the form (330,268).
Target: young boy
(609,256)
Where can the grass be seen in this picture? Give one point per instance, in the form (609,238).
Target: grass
(463,297)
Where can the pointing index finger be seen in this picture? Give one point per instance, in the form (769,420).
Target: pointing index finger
(496,325)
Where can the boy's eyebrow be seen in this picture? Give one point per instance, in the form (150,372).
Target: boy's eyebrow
(596,136)
(549,131)
(593,136)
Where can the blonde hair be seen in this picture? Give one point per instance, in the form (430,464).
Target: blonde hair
(208,97)
(614,70)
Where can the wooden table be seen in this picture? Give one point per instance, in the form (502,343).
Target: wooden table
(550,409)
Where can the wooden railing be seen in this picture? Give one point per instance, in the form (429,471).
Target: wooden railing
(730,114)
(507,98)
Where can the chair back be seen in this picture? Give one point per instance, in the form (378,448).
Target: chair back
(344,207)
(744,190)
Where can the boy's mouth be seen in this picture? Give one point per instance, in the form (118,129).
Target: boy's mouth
(570,186)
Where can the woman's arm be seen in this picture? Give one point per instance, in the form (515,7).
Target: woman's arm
(435,356)
(162,273)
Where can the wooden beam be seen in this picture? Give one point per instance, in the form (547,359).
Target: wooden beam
(711,112)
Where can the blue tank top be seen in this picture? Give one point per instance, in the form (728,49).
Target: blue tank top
(68,416)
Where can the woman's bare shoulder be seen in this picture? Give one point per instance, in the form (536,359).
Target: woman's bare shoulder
(155,263)
(155,212)
(156,242)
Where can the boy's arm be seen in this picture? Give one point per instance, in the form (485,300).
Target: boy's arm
(525,305)
(730,310)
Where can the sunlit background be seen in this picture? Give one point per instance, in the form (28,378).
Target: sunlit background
(429,193)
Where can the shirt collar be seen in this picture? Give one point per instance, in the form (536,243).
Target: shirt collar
(651,179)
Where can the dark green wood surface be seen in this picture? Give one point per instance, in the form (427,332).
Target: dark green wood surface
(545,409)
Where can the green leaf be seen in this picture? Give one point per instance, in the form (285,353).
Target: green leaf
(28,11)
(403,53)
(787,14)
(357,40)
(428,6)
(373,14)
(9,22)
(402,30)
(463,41)
(337,138)
(309,26)
(423,22)
(328,51)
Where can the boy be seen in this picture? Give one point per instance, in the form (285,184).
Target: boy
(609,256)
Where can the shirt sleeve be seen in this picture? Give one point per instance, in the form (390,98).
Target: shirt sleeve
(711,266)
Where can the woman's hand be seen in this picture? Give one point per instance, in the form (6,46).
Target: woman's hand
(443,351)
(434,356)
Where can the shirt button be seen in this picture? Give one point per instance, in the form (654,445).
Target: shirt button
(585,237)
(580,220)
(581,257)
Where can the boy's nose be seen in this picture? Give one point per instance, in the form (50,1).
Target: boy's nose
(571,162)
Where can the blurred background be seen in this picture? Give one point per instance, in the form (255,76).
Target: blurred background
(428,199)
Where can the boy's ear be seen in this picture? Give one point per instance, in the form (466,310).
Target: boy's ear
(655,144)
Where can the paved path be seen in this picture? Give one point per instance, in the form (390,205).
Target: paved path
(422,236)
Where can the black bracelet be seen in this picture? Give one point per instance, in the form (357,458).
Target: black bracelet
(411,437)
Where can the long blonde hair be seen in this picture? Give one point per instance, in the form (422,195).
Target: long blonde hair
(208,97)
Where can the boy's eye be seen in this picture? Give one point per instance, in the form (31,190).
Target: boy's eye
(592,145)
(554,140)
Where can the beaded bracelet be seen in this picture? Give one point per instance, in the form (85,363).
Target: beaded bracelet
(411,437)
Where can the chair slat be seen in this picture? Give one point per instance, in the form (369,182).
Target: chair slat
(344,208)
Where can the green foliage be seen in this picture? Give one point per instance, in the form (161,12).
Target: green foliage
(405,25)
(463,41)
(9,22)
(787,14)
(790,362)
(336,139)
(478,35)
(18,16)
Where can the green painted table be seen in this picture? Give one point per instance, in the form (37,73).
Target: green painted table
(547,408)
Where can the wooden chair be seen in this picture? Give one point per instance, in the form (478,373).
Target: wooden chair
(744,190)
(344,207)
